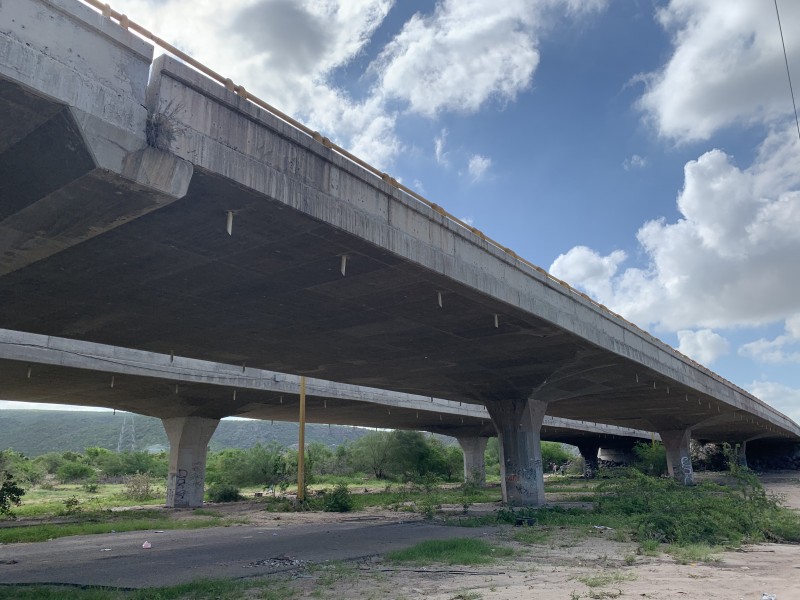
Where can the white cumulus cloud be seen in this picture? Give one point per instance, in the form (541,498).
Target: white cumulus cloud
(783,349)
(731,259)
(458,58)
(589,270)
(782,397)
(727,67)
(703,345)
(461,56)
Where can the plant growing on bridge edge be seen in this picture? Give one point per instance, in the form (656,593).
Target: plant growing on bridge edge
(10,494)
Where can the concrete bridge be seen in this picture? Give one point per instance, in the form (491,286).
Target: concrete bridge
(37,368)
(149,206)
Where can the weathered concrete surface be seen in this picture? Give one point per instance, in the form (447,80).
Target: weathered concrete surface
(589,452)
(474,449)
(188,448)
(72,87)
(519,424)
(679,457)
(129,246)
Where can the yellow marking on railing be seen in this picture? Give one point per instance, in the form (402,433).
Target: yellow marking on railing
(125,22)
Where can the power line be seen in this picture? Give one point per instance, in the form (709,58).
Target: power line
(788,73)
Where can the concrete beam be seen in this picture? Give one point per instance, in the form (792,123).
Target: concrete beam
(163,385)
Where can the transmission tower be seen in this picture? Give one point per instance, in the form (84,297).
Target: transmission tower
(128,431)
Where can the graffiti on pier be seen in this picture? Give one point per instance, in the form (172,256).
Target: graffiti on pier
(686,469)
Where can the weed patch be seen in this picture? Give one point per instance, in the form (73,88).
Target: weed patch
(604,579)
(665,511)
(221,589)
(106,522)
(531,535)
(458,551)
(693,553)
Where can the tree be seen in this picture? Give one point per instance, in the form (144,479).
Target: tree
(372,453)
(554,453)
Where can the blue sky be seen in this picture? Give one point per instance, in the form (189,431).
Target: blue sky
(644,151)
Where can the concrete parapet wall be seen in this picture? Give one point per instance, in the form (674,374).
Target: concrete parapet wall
(72,54)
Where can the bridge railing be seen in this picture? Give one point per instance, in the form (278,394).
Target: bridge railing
(240,90)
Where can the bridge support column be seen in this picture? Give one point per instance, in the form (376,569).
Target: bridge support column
(679,459)
(589,450)
(188,444)
(741,454)
(519,424)
(474,449)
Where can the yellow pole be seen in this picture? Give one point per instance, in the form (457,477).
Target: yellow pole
(301,446)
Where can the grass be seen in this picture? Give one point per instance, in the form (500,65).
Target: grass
(106,522)
(458,551)
(218,589)
(531,535)
(692,553)
(42,502)
(604,579)
(654,510)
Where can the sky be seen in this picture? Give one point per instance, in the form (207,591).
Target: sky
(644,151)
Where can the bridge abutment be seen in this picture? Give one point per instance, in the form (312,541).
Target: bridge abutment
(474,448)
(519,424)
(679,459)
(188,446)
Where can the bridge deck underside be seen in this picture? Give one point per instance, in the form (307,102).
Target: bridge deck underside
(271,295)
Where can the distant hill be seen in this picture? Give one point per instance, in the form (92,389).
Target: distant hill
(35,432)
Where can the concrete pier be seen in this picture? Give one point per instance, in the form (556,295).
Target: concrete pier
(188,445)
(519,424)
(589,450)
(474,449)
(679,459)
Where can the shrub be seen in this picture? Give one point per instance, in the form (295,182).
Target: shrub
(71,471)
(139,487)
(224,492)
(10,493)
(665,511)
(339,500)
(71,505)
(651,459)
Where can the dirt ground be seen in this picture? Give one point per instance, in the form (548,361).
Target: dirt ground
(569,565)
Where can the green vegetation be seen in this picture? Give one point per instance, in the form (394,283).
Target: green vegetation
(106,522)
(651,458)
(224,492)
(693,553)
(665,511)
(219,589)
(656,510)
(10,493)
(604,579)
(553,454)
(339,500)
(532,535)
(458,551)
